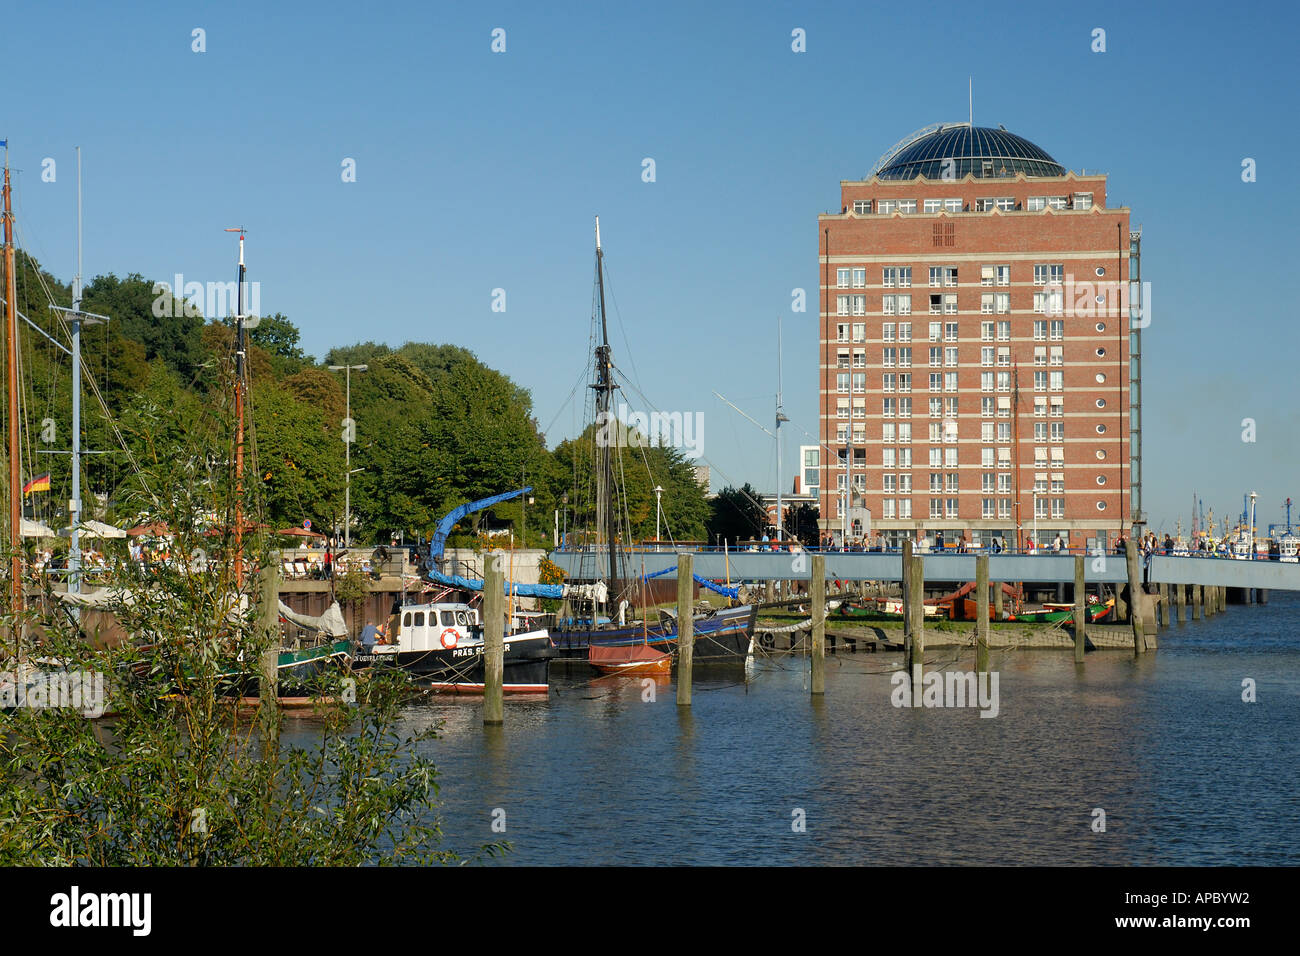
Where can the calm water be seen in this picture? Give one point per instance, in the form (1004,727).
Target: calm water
(1186,772)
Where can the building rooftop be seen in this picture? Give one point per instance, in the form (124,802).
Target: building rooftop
(951,150)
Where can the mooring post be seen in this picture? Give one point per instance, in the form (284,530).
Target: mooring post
(1198,601)
(685,628)
(997,600)
(981,613)
(268,681)
(916,600)
(494,629)
(817,598)
(1223,598)
(1210,603)
(904,594)
(1180,603)
(1162,614)
(1080,608)
(1135,596)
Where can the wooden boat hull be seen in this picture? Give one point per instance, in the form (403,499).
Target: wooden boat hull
(724,635)
(889,609)
(461,669)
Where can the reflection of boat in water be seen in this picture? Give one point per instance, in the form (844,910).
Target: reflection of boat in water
(442,645)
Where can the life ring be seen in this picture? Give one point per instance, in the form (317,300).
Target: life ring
(449,638)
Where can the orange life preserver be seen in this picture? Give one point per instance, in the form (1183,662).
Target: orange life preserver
(449,638)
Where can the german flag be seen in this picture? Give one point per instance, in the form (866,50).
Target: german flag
(39,483)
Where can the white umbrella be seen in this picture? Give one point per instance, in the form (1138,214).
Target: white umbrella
(95,529)
(34,529)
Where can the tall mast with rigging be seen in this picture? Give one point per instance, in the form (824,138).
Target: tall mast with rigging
(15,474)
(239,415)
(605,418)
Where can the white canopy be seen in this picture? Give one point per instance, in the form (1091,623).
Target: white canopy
(34,529)
(95,529)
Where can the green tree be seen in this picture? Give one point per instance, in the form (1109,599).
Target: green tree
(168,329)
(737,515)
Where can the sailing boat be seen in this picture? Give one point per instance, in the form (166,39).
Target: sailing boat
(721,634)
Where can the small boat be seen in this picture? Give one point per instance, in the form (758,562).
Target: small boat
(1055,613)
(637,659)
(884,607)
(442,644)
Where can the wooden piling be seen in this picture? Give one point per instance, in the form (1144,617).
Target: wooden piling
(1223,598)
(997,600)
(1180,603)
(685,628)
(494,628)
(1135,596)
(1162,613)
(981,613)
(904,594)
(1198,601)
(817,597)
(268,681)
(916,599)
(1080,608)
(1211,605)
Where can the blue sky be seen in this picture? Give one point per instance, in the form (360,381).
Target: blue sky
(478,170)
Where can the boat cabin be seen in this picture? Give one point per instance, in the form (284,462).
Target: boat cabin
(431,627)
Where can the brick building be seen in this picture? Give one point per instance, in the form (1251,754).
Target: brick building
(979,375)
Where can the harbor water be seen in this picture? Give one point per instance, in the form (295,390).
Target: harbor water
(1161,748)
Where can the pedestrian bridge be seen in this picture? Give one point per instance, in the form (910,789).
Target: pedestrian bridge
(1047,568)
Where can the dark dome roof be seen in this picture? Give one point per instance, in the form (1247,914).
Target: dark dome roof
(970,149)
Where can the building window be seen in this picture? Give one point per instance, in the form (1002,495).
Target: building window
(888,432)
(986,381)
(986,432)
(986,303)
(842,382)
(936,303)
(887,332)
(1002,274)
(904,304)
(1058,431)
(1004,407)
(932,205)
(1058,355)
(888,305)
(1056,330)
(986,457)
(859,359)
(1004,381)
(936,507)
(1040,355)
(1040,406)
(1058,507)
(907,206)
(842,408)
(1040,430)
(1004,357)
(904,408)
(889,357)
(1004,331)
(1004,507)
(986,331)
(859,332)
(1004,431)
(842,332)
(950,276)
(904,331)
(952,205)
(986,482)
(887,206)
(904,507)
(887,457)
(859,304)
(950,381)
(1058,406)
(936,356)
(859,382)
(1002,302)
(842,278)
(862,207)
(950,331)
(860,278)
(936,274)
(950,356)
(904,381)
(889,276)
(1040,328)
(936,331)
(1040,381)
(936,381)
(986,407)
(1004,483)
(986,507)
(905,357)
(1083,200)
(950,303)
(986,356)
(986,275)
(936,408)
(1058,381)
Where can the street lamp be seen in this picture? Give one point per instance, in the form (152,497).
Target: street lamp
(658,499)
(349,436)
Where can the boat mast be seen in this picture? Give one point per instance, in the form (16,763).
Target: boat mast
(604,416)
(780,417)
(239,415)
(15,475)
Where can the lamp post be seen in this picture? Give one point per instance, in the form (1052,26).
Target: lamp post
(658,508)
(349,436)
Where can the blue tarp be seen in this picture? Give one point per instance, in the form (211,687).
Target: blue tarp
(439,539)
(733,593)
(522,590)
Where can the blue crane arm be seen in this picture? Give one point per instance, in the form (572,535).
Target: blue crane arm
(439,539)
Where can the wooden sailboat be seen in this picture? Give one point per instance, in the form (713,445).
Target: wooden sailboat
(722,634)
